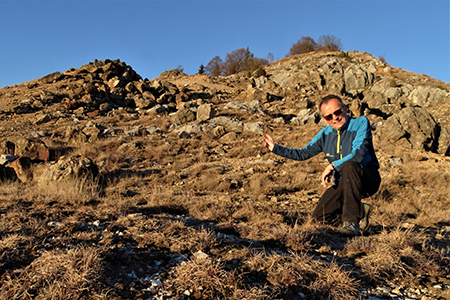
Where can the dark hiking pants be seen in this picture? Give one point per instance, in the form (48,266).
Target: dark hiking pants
(342,202)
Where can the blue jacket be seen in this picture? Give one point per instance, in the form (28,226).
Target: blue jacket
(352,142)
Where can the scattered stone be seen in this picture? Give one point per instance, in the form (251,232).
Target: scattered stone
(41,119)
(184,116)
(54,224)
(33,149)
(395,162)
(4,158)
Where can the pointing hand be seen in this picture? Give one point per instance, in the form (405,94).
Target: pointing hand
(268,142)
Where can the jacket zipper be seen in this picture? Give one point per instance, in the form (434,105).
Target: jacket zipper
(339,147)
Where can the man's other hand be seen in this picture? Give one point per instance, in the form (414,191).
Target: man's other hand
(327,175)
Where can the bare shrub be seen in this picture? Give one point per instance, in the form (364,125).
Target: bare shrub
(262,183)
(304,45)
(335,283)
(208,279)
(297,237)
(398,253)
(298,271)
(15,250)
(329,43)
(55,274)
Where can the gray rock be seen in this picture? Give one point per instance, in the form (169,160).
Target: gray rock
(260,81)
(205,112)
(158,108)
(41,119)
(227,122)
(279,120)
(190,129)
(184,116)
(424,95)
(251,107)
(38,134)
(395,161)
(415,126)
(229,137)
(4,158)
(355,77)
(68,168)
(254,127)
(136,131)
(305,116)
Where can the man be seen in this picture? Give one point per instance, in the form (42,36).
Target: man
(347,144)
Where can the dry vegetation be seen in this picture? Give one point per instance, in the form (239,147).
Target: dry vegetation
(208,218)
(246,211)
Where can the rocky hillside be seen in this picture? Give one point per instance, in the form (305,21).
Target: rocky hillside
(409,110)
(187,150)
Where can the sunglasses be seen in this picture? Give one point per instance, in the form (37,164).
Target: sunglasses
(337,113)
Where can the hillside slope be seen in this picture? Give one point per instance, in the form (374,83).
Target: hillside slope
(162,188)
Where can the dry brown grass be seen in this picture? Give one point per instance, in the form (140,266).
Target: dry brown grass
(397,253)
(209,279)
(55,274)
(195,206)
(297,272)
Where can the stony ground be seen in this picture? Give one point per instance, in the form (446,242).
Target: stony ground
(131,202)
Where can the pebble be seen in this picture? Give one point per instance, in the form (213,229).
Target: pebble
(54,224)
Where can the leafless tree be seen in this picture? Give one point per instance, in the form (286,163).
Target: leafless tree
(214,67)
(235,61)
(329,43)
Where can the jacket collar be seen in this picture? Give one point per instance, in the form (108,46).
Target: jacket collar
(345,126)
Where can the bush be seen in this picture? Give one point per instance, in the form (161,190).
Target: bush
(239,60)
(304,45)
(259,72)
(329,43)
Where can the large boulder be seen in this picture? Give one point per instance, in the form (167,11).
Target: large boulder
(75,167)
(184,115)
(416,128)
(355,77)
(426,95)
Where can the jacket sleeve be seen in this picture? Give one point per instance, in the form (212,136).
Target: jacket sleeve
(360,145)
(313,148)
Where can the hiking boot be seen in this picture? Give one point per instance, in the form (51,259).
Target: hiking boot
(364,222)
(349,229)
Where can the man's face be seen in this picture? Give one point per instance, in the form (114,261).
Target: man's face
(333,113)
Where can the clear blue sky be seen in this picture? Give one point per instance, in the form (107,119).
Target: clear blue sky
(41,37)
